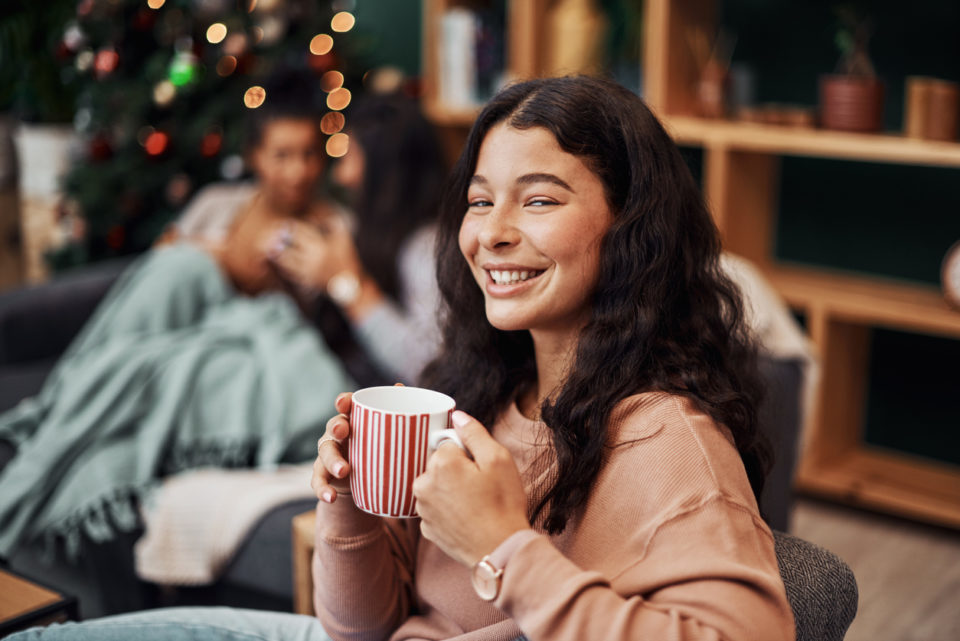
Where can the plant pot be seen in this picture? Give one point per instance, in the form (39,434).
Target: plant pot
(851,103)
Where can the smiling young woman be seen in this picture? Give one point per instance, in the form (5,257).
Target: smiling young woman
(606,392)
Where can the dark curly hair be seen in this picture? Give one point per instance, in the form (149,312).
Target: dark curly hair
(664,315)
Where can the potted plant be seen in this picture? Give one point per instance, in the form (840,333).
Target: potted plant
(851,99)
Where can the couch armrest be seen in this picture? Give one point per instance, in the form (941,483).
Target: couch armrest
(39,322)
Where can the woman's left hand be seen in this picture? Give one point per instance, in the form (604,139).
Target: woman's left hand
(469,507)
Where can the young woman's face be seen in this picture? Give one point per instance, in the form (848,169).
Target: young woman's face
(288,163)
(531,235)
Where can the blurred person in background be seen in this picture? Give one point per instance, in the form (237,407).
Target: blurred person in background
(207,350)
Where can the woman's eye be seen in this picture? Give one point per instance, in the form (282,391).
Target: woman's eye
(540,202)
(479,202)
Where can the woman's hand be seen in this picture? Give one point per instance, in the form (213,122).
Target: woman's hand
(309,255)
(469,507)
(330,470)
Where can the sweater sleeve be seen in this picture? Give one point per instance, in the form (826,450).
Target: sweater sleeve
(403,338)
(362,571)
(714,585)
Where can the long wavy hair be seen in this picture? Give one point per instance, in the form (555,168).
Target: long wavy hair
(664,315)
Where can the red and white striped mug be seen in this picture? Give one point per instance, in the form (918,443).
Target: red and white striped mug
(392,432)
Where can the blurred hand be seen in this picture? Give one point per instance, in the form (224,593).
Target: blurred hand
(469,507)
(310,255)
(331,470)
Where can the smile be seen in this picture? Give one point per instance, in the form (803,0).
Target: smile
(508,277)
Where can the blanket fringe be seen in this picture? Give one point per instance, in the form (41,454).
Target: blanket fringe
(117,511)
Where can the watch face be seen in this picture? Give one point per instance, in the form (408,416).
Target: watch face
(486,580)
(950,275)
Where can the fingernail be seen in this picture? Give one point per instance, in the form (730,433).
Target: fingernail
(338,469)
(328,496)
(460,418)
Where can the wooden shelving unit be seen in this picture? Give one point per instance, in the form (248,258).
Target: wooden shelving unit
(741,183)
(523,53)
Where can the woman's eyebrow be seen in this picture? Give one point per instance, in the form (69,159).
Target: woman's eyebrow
(529,179)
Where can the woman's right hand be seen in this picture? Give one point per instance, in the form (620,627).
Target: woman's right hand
(331,469)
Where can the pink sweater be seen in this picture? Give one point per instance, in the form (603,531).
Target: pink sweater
(669,546)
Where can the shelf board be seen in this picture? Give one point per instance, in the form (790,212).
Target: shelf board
(821,143)
(867,300)
(890,482)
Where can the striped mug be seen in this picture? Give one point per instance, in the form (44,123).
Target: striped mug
(392,431)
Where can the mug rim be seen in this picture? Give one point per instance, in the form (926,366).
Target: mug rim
(429,401)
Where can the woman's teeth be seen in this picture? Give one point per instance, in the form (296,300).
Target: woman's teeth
(502,277)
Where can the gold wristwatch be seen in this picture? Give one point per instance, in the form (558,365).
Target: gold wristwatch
(486,579)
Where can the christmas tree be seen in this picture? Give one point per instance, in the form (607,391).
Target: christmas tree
(163,88)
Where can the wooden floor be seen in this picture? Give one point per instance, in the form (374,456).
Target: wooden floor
(908,574)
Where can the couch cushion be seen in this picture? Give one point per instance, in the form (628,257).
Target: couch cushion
(20,381)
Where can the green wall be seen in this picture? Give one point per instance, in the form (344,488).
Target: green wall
(390,30)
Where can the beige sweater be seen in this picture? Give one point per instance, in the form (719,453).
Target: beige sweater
(670,546)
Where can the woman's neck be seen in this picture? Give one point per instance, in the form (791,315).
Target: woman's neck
(263,207)
(554,356)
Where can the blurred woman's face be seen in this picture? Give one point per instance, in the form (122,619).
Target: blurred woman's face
(288,162)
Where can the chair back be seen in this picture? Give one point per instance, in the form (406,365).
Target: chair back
(821,588)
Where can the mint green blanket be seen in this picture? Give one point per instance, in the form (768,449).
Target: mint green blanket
(175,370)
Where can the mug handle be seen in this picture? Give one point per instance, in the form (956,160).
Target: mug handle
(438,437)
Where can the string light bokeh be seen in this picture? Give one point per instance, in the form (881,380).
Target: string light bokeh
(216,33)
(343,22)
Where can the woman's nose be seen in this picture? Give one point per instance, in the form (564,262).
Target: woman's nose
(302,170)
(499,229)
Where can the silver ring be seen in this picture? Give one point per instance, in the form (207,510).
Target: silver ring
(324,439)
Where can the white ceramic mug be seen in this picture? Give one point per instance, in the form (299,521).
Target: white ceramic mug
(392,432)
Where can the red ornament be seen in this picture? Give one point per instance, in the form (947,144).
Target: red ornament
(100,148)
(156,143)
(116,237)
(84,7)
(105,62)
(211,144)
